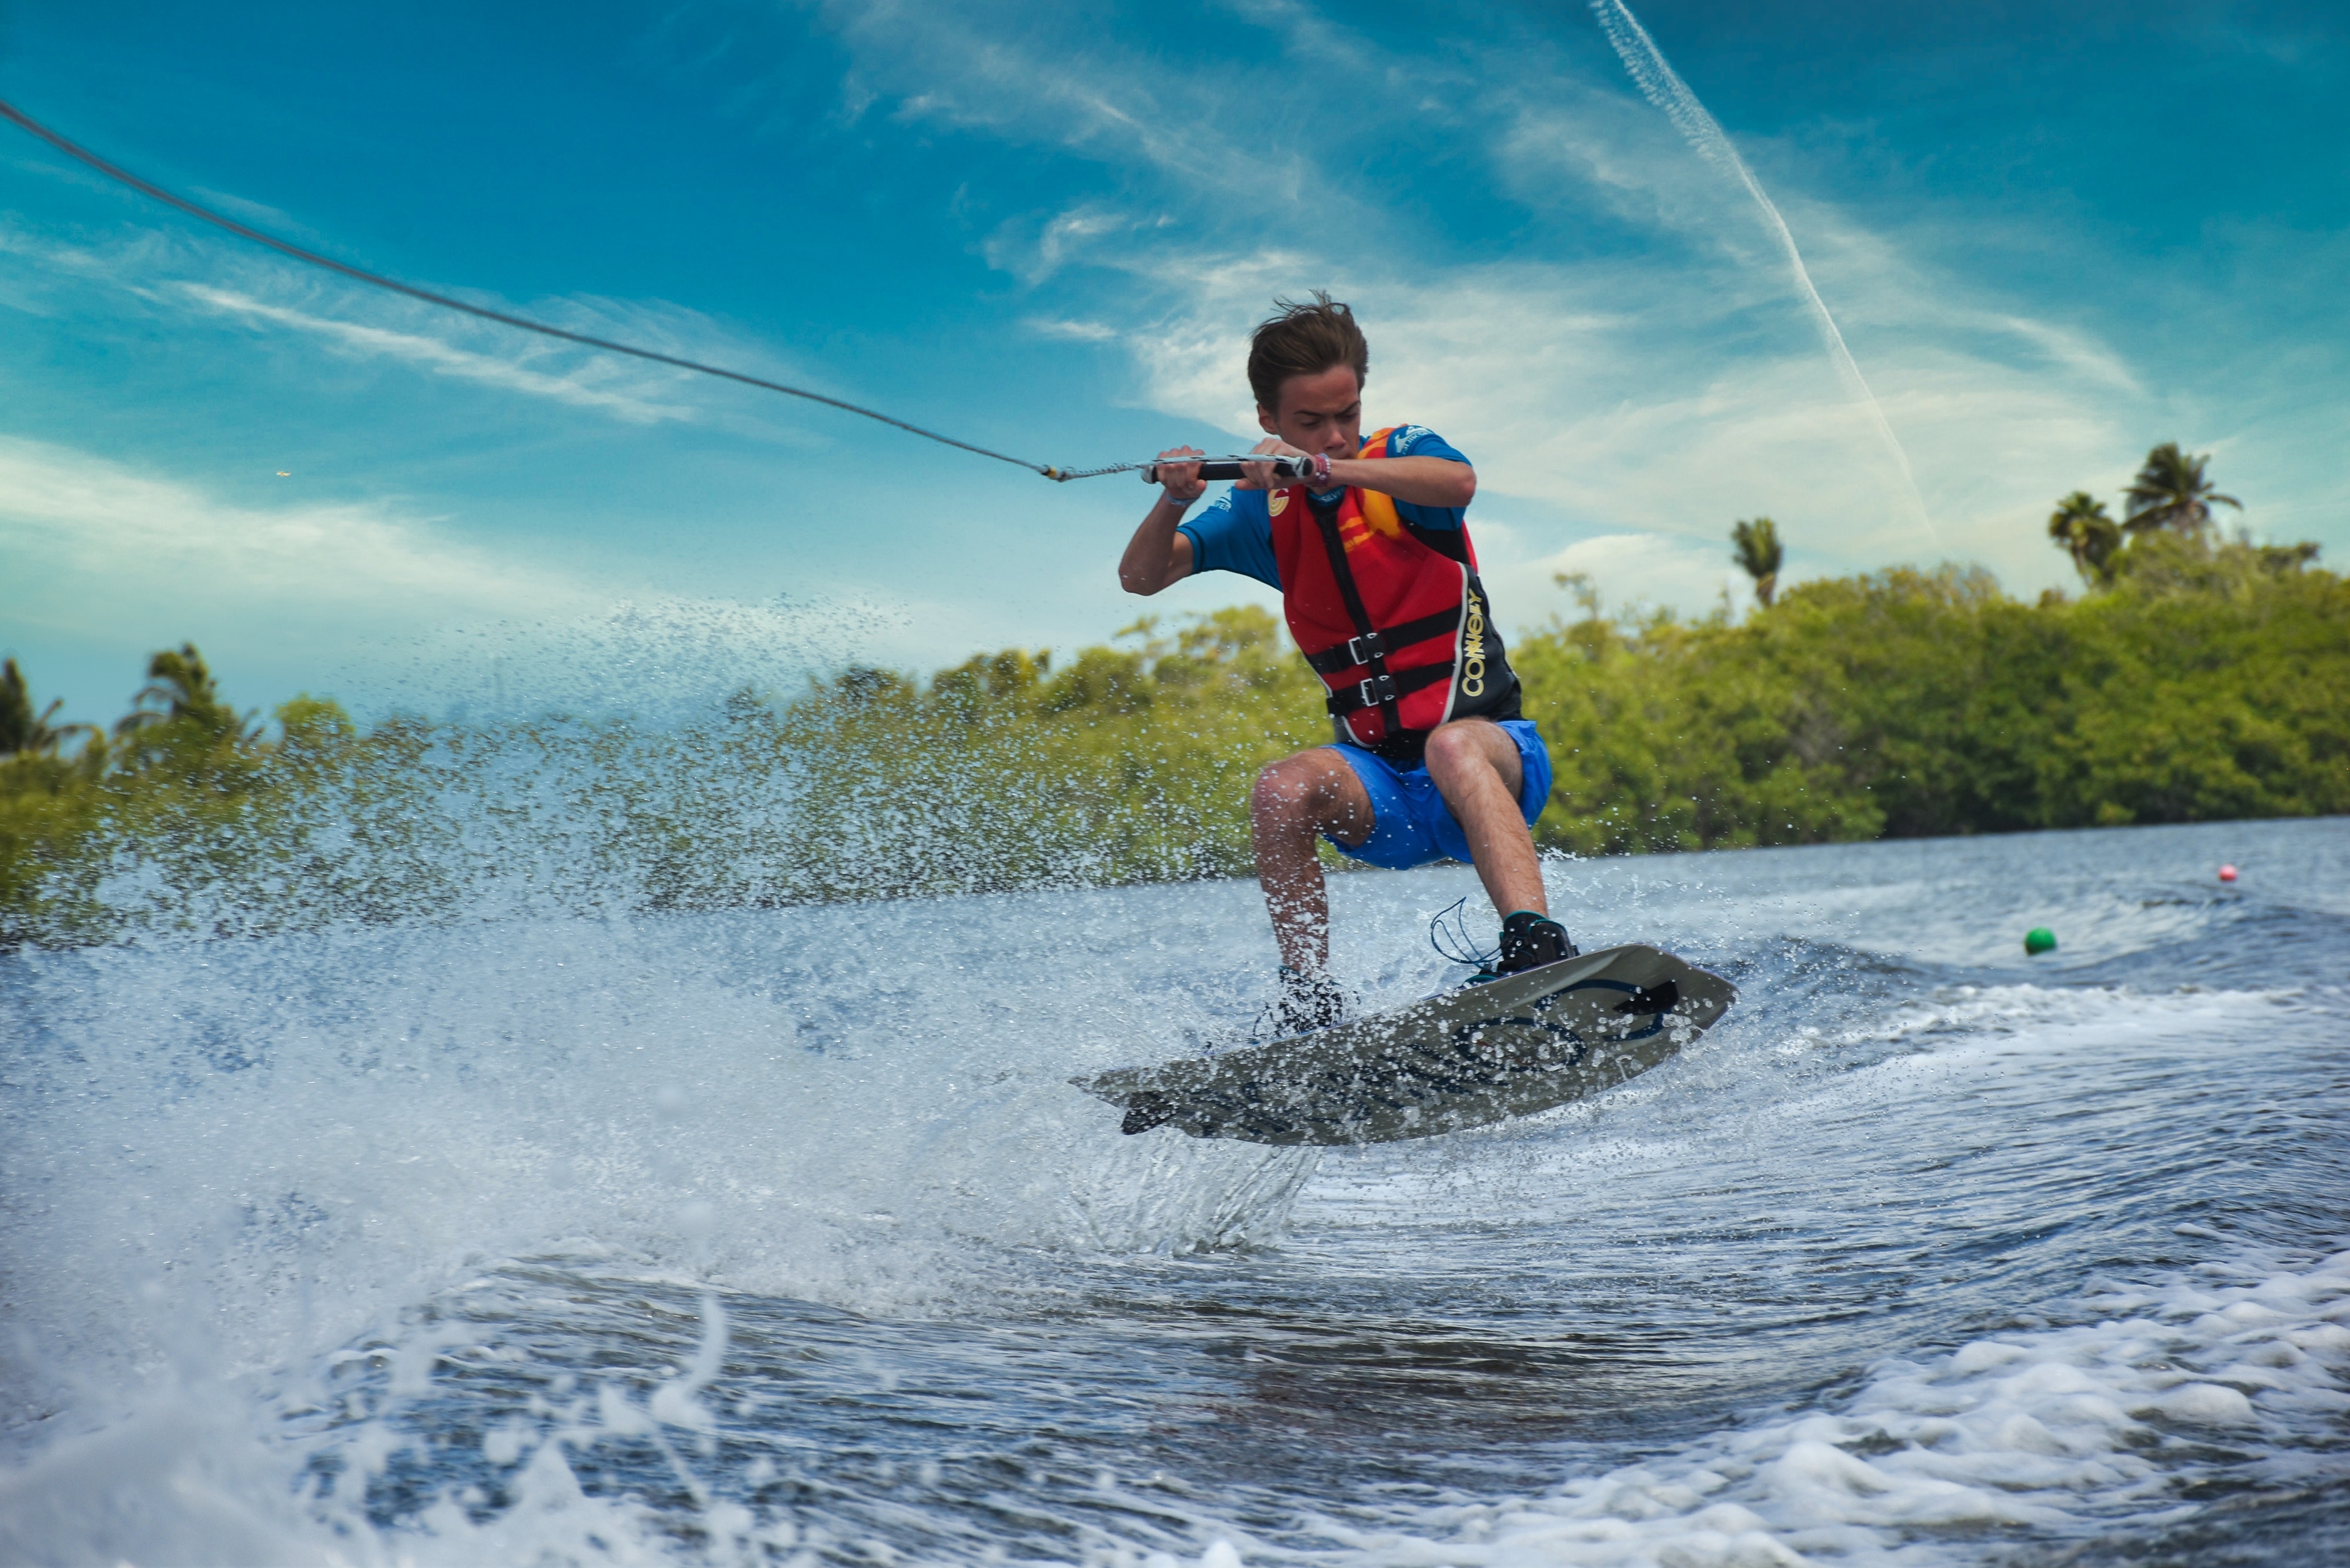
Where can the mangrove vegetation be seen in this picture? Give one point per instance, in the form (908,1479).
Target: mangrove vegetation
(2196,677)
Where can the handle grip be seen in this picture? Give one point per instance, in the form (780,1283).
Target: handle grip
(1230,468)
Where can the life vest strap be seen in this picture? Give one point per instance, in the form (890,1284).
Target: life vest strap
(1385,687)
(1380,691)
(1387,639)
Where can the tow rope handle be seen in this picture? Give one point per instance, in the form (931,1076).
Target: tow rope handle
(1234,467)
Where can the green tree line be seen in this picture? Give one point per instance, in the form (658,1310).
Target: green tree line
(2198,678)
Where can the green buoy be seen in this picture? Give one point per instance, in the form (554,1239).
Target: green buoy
(2039,940)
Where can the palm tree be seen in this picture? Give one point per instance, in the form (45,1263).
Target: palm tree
(1758,552)
(2170,492)
(21,730)
(181,686)
(2080,526)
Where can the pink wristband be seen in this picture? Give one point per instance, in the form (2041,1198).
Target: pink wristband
(1321,465)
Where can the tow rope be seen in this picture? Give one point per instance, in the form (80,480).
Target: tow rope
(1212,468)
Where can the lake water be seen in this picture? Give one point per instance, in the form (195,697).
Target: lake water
(779,1237)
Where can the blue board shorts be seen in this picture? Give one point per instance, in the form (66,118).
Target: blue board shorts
(1410,824)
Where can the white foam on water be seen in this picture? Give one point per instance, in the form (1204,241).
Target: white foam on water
(2058,1430)
(1751,1085)
(1931,1457)
(2050,1431)
(196,1480)
(224,1161)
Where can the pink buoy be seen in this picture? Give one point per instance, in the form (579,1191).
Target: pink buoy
(2226,873)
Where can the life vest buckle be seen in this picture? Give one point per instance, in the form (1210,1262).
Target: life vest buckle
(1362,649)
(1378,689)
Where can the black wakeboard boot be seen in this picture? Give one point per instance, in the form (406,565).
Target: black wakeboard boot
(1530,940)
(1306,1002)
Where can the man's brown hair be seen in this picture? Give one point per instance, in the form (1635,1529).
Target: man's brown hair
(1304,339)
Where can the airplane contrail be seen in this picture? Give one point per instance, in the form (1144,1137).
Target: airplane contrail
(1661,86)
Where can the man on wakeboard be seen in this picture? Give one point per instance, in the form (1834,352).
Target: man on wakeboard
(1429,758)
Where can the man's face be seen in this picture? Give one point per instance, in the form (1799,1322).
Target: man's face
(1321,413)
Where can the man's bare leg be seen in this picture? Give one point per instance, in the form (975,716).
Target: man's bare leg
(1475,766)
(1296,800)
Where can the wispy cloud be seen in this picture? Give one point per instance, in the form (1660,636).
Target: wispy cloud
(1664,88)
(104,556)
(1073,331)
(1026,77)
(1576,401)
(1548,273)
(1629,571)
(1664,380)
(98,548)
(1034,251)
(166,274)
(437,356)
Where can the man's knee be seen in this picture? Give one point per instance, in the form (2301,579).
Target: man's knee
(1286,790)
(1453,749)
(1310,793)
(1467,749)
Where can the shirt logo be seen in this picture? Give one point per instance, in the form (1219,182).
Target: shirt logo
(1277,503)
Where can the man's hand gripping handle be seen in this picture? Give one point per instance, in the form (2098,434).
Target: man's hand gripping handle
(1237,468)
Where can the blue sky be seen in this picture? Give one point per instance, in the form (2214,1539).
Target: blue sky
(2052,236)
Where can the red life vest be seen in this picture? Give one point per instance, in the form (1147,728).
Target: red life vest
(1390,615)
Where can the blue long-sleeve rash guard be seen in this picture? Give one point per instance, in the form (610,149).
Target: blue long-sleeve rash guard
(1234,532)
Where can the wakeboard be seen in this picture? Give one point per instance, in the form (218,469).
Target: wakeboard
(1462,1058)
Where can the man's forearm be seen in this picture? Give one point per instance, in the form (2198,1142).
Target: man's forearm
(1148,563)
(1422,481)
